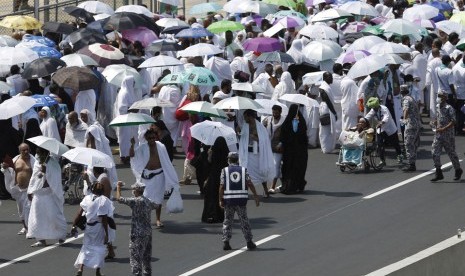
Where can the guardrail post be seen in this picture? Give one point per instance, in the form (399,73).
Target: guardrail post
(36,9)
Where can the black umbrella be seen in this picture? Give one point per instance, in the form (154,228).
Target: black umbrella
(58,27)
(128,20)
(42,67)
(84,37)
(79,13)
(76,78)
(174,29)
(163,45)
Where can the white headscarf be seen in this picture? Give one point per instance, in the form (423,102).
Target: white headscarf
(90,116)
(49,125)
(296,51)
(285,86)
(125,96)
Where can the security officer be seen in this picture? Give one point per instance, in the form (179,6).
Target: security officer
(234,181)
(411,119)
(444,137)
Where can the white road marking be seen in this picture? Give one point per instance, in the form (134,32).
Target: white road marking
(228,256)
(45,249)
(405,182)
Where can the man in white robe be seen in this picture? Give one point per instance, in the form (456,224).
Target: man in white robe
(350,111)
(220,67)
(48,126)
(171,93)
(285,86)
(432,81)
(106,106)
(328,133)
(86,99)
(75,131)
(46,218)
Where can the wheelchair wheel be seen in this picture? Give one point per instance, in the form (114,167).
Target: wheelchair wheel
(375,159)
(342,168)
(366,165)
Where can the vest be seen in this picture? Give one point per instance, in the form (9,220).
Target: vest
(235,187)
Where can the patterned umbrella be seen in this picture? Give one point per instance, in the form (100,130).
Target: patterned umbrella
(200,76)
(20,22)
(193,33)
(84,37)
(76,78)
(44,100)
(104,54)
(44,51)
(42,67)
(263,44)
(352,56)
(173,78)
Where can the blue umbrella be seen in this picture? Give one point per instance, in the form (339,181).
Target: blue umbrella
(193,33)
(441,6)
(46,52)
(39,39)
(43,100)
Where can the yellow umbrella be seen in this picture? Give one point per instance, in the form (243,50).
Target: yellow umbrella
(459,18)
(20,22)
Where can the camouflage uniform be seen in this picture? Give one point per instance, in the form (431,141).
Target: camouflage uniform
(446,139)
(412,128)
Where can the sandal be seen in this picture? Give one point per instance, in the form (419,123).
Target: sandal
(160,225)
(38,244)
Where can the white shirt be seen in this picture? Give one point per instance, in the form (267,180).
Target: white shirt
(383,115)
(458,74)
(445,78)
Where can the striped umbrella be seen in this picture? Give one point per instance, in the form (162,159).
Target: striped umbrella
(104,54)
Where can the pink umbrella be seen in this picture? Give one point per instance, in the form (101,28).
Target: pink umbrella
(142,34)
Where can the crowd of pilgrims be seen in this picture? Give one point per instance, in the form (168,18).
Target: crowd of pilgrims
(272,146)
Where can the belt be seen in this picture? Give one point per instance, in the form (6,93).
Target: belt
(92,223)
(151,175)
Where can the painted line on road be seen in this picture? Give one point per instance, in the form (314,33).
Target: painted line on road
(228,256)
(45,249)
(400,184)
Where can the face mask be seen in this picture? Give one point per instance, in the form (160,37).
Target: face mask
(295,124)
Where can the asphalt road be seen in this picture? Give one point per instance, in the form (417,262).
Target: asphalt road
(331,229)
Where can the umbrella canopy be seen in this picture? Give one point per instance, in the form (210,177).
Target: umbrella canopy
(375,30)
(79,13)
(12,55)
(104,54)
(257,7)
(200,49)
(268,107)
(78,60)
(50,144)
(322,50)
(171,22)
(313,78)
(297,99)
(450,26)
(359,8)
(15,106)
(205,8)
(365,43)
(203,108)
(330,14)
(7,41)
(173,78)
(76,78)
(352,56)
(141,34)
(368,65)
(163,45)
(135,9)
(441,6)
(116,73)
(425,23)
(420,12)
(44,100)
(207,132)
(276,57)
(238,102)
(262,45)
(42,67)
(129,20)
(89,157)
(247,86)
(149,103)
(58,27)
(281,14)
(354,27)
(389,48)
(44,51)
(44,41)
(131,119)
(96,7)
(225,25)
(400,27)
(200,76)
(459,18)
(84,37)
(291,22)
(20,22)
(319,32)
(193,33)
(174,29)
(160,61)
(285,3)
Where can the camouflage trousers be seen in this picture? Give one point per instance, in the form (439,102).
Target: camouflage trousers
(229,219)
(140,255)
(448,143)
(411,142)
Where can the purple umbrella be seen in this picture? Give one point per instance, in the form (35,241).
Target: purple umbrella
(379,20)
(263,44)
(290,22)
(354,27)
(352,56)
(142,34)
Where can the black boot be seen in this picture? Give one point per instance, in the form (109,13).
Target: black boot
(439,175)
(458,174)
(410,168)
(226,246)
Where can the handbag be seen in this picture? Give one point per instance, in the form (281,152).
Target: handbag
(325,119)
(174,204)
(180,114)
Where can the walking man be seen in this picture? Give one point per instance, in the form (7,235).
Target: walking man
(412,127)
(444,137)
(234,182)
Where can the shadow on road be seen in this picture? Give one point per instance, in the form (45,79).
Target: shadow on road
(282,199)
(335,194)
(259,248)
(126,260)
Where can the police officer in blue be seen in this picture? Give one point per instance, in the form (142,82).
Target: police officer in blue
(234,182)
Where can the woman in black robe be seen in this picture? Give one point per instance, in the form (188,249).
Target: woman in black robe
(212,212)
(32,130)
(10,139)
(294,144)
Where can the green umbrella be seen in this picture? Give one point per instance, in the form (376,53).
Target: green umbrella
(174,78)
(376,30)
(225,25)
(200,76)
(461,45)
(285,3)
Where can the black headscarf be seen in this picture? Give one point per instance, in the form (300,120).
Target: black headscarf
(220,153)
(287,132)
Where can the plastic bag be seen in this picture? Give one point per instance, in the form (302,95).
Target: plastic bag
(350,139)
(174,204)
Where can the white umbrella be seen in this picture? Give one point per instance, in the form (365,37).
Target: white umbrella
(330,14)
(319,32)
(235,6)
(352,56)
(202,107)
(159,61)
(289,21)
(448,27)
(135,9)
(401,27)
(389,48)
(149,103)
(51,144)
(313,78)
(131,119)
(116,73)
(420,12)
(247,86)
(78,60)
(368,65)
(395,59)
(15,106)
(4,87)
(6,40)
(101,16)
(365,43)
(89,157)
(297,99)
(359,8)
(322,50)
(96,7)
(12,55)
(175,3)
(257,7)
(200,49)
(207,132)
(268,105)
(238,103)
(170,22)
